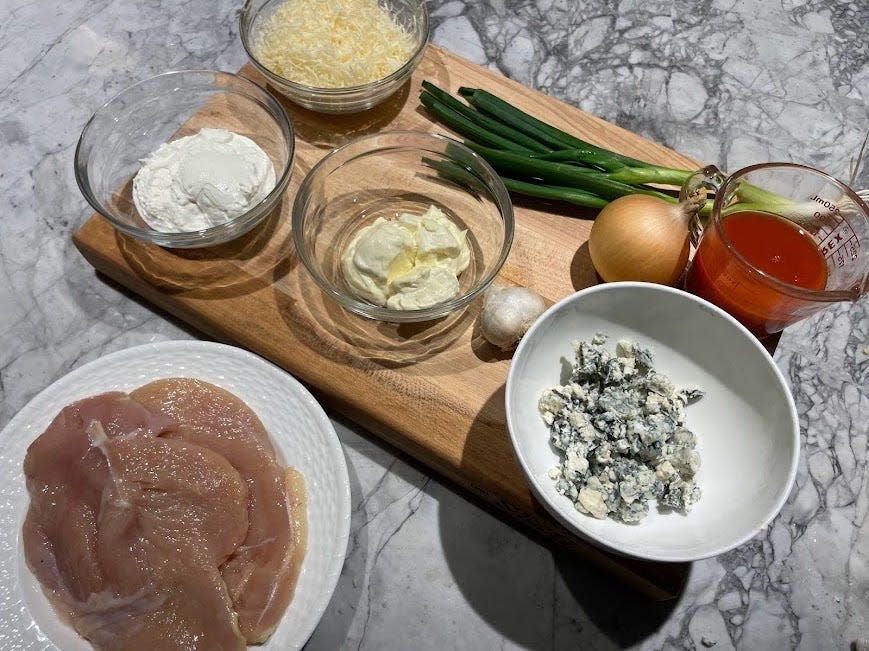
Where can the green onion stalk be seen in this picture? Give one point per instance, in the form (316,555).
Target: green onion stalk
(539,160)
(536,159)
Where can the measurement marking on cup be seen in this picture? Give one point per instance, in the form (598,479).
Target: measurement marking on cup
(838,237)
(842,239)
(826,203)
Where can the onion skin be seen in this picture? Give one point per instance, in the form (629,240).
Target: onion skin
(642,238)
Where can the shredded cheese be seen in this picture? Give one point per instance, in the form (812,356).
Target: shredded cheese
(332,43)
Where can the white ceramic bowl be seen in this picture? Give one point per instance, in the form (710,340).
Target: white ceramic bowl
(746,424)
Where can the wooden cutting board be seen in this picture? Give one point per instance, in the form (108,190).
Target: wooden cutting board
(434,390)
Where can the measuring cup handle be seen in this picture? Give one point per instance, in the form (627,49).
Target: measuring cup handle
(693,196)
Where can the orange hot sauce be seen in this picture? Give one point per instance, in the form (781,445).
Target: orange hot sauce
(770,243)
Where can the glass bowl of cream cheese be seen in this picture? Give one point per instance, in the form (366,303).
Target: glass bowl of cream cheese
(186,159)
(403,226)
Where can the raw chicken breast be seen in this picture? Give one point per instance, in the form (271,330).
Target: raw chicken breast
(261,575)
(126,531)
(173,512)
(65,477)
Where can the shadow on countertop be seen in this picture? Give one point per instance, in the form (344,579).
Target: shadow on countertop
(524,590)
(531,594)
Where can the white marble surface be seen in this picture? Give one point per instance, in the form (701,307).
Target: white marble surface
(726,82)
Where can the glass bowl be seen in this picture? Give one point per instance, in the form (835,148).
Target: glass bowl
(412,15)
(169,106)
(385,175)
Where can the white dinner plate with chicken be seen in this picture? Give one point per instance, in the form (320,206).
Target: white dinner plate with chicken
(185,491)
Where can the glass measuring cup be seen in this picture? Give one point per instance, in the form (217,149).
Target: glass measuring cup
(783,241)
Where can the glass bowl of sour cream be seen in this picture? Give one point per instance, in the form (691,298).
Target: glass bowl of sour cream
(403,226)
(186,159)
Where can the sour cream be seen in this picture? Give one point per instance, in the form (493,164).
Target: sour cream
(408,263)
(200,181)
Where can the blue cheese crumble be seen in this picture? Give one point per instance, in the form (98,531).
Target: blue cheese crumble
(619,428)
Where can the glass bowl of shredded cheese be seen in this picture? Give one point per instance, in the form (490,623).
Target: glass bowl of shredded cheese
(403,226)
(335,56)
(186,159)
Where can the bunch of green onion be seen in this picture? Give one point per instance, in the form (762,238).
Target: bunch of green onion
(536,159)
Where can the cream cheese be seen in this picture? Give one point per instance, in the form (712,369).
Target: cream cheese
(202,180)
(408,263)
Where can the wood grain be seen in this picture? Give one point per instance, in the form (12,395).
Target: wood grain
(433,390)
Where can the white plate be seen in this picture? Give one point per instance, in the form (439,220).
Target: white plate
(298,426)
(746,424)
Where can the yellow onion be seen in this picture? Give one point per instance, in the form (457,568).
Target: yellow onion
(640,237)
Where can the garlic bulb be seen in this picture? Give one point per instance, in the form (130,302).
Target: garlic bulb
(507,314)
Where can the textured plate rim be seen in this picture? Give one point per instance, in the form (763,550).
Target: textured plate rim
(174,350)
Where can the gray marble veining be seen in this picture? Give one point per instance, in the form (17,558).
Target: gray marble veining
(725,82)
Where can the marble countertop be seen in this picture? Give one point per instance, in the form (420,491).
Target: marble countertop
(730,83)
